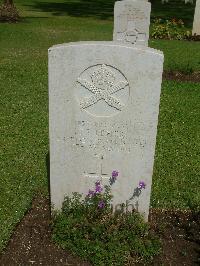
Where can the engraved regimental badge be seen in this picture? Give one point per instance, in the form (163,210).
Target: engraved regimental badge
(104,90)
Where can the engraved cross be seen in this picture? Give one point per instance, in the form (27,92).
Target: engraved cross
(99,174)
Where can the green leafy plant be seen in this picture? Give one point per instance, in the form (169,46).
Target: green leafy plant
(173,29)
(90,229)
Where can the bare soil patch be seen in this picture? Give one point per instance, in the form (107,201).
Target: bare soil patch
(179,76)
(31,242)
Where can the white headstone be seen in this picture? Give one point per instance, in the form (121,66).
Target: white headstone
(131,21)
(103,112)
(196,23)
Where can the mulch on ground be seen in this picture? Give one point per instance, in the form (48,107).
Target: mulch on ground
(31,242)
(179,76)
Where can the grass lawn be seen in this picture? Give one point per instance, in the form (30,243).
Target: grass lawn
(177,167)
(24,105)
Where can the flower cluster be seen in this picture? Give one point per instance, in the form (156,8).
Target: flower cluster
(90,193)
(98,189)
(176,21)
(114,177)
(101,204)
(96,193)
(173,29)
(97,196)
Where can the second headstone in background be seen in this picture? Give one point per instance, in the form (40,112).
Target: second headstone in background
(131,21)
(196,23)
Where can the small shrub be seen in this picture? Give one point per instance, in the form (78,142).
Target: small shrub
(173,29)
(88,227)
(8,13)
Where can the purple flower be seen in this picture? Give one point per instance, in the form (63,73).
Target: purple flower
(97,183)
(90,193)
(101,204)
(114,177)
(98,187)
(115,174)
(142,185)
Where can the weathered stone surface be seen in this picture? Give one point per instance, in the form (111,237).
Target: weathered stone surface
(131,21)
(103,112)
(196,23)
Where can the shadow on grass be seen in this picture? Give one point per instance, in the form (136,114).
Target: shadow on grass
(103,9)
(30,19)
